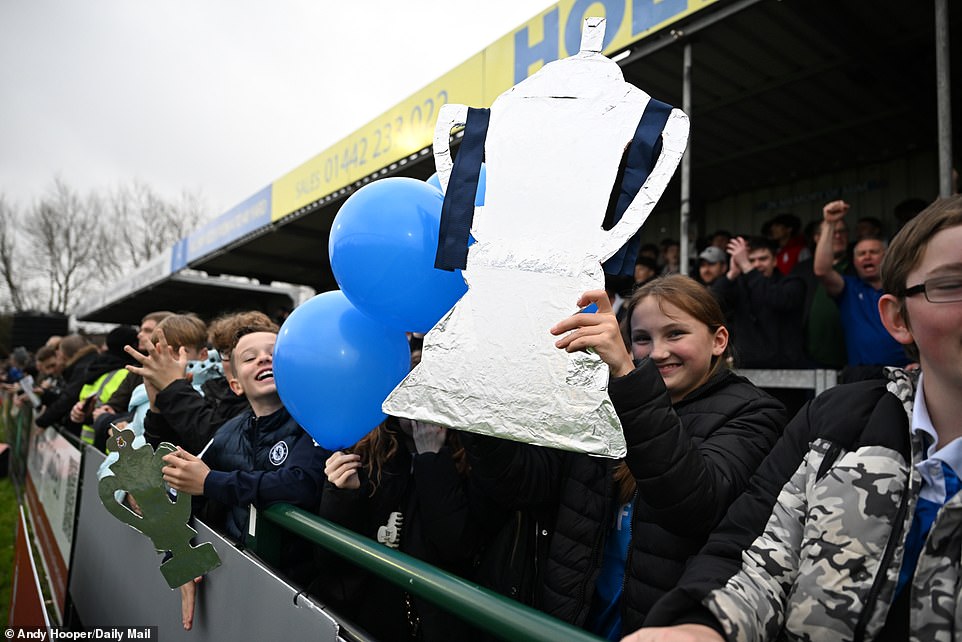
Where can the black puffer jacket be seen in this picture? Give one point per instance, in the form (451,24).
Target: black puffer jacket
(260,461)
(689,461)
(813,549)
(188,418)
(442,523)
(766,318)
(75,376)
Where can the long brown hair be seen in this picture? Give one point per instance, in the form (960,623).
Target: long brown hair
(689,296)
(380,445)
(624,483)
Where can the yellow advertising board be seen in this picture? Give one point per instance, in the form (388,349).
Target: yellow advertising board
(395,134)
(409,126)
(556,33)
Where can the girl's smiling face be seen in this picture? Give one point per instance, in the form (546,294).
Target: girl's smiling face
(682,347)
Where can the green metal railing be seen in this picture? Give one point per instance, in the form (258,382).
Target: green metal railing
(15,427)
(480,607)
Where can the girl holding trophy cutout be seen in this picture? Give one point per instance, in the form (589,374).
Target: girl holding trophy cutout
(623,529)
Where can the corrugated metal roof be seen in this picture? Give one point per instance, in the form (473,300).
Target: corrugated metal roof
(798,88)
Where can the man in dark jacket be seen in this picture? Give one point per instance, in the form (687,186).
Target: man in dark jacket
(77,353)
(766,311)
(103,380)
(765,306)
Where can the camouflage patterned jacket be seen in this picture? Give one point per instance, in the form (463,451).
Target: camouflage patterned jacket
(812,551)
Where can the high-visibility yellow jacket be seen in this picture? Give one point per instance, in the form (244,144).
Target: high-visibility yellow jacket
(103,387)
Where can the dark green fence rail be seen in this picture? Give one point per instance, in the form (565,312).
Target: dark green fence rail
(15,426)
(484,609)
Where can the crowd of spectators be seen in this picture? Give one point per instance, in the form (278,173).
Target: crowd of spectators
(787,304)
(599,543)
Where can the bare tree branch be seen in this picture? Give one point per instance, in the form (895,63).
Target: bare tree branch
(78,244)
(144,224)
(63,229)
(10,265)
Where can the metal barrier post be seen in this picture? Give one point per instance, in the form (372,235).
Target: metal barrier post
(817,380)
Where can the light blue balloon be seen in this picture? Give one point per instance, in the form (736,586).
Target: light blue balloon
(334,367)
(382,248)
(482,182)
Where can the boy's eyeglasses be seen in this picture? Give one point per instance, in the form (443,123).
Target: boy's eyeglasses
(939,289)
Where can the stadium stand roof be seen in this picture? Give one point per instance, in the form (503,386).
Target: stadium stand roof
(780,91)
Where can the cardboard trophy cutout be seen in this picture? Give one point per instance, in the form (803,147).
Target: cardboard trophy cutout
(135,472)
(553,149)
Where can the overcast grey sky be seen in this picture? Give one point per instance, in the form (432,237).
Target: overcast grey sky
(220,97)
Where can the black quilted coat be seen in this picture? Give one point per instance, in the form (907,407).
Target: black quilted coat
(689,461)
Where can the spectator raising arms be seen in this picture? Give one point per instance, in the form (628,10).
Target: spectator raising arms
(766,306)
(181,341)
(866,339)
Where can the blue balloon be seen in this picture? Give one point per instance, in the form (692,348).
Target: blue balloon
(482,182)
(334,367)
(382,249)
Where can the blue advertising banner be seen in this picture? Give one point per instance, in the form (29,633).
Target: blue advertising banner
(240,220)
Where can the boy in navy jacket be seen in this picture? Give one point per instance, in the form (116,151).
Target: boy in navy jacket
(258,458)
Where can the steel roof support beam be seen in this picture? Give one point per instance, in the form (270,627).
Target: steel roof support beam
(943,96)
(685,209)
